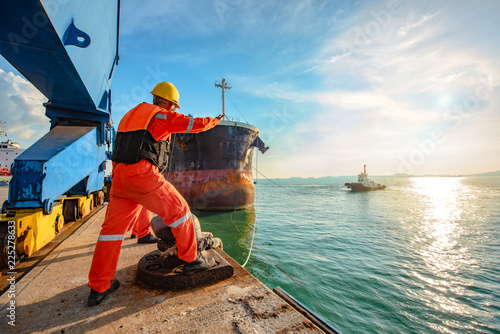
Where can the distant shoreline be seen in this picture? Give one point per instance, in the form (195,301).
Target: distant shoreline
(5,182)
(394,176)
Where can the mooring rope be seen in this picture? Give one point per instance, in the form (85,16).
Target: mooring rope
(293,279)
(251,244)
(278,185)
(255,223)
(253,236)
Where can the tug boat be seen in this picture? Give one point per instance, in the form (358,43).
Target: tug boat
(364,183)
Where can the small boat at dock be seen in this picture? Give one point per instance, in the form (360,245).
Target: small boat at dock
(364,183)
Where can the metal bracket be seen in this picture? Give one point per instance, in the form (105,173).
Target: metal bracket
(75,36)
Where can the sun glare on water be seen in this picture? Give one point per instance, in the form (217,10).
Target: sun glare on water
(441,197)
(441,203)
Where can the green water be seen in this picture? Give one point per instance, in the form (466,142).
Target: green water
(421,256)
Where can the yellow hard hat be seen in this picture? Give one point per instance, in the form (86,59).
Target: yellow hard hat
(167,91)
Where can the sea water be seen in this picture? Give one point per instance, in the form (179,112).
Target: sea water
(422,256)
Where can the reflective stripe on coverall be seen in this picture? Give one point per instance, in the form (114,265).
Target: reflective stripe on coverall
(139,185)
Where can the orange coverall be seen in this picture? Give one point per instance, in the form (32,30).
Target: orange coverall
(139,185)
(141,228)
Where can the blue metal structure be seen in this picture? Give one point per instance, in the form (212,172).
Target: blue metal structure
(68,50)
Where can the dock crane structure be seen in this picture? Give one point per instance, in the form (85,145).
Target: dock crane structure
(68,50)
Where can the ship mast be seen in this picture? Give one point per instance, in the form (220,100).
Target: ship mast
(224,86)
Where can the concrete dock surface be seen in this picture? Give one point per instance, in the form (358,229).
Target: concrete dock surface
(52,298)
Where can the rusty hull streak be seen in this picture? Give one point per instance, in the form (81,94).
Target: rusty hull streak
(215,189)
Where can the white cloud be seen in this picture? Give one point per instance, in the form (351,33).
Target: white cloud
(412,25)
(22,109)
(358,81)
(388,90)
(352,99)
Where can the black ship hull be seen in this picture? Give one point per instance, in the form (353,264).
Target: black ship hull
(213,169)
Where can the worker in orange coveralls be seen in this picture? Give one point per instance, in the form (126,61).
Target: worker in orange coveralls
(139,156)
(141,229)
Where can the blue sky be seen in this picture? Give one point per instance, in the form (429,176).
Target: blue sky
(403,86)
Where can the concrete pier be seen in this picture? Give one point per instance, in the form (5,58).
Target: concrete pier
(52,298)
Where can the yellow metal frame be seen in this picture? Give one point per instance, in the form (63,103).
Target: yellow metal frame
(34,229)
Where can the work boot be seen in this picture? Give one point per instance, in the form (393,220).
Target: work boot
(133,236)
(95,298)
(148,239)
(199,264)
